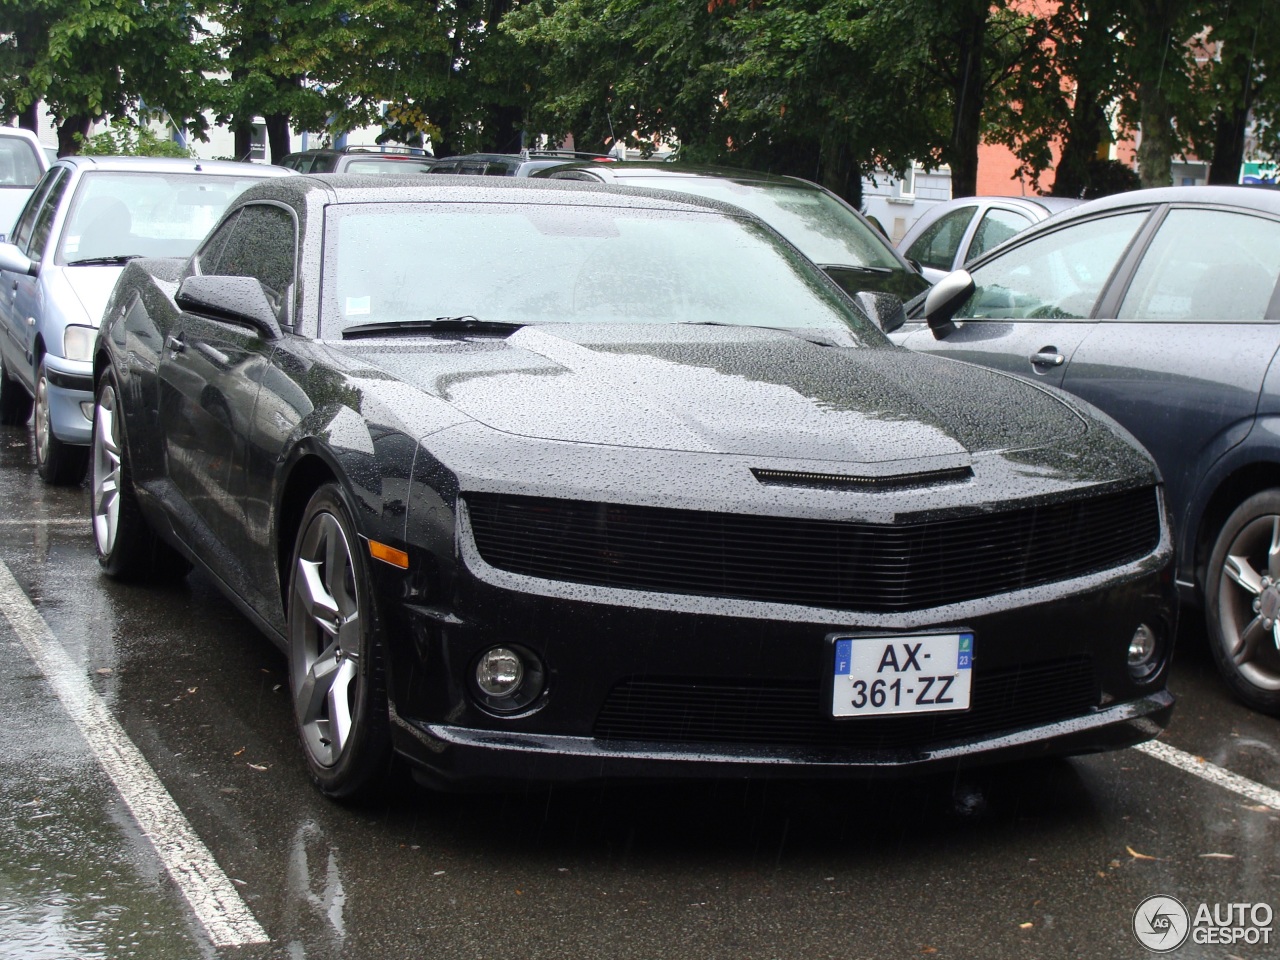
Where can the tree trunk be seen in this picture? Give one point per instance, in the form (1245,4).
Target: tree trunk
(278,136)
(244,140)
(71,134)
(1155,152)
(966,114)
(29,119)
(1231,121)
(839,173)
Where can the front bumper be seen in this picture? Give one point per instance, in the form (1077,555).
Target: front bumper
(656,685)
(70,386)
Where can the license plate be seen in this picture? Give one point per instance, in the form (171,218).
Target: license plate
(920,674)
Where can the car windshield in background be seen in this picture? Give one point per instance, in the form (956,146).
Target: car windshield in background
(552,263)
(382,168)
(824,230)
(140,214)
(19,166)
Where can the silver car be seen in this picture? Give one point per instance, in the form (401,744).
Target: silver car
(86,218)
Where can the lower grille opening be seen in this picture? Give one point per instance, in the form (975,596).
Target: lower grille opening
(790,713)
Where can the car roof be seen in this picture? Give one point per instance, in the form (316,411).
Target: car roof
(343,188)
(175,165)
(665,168)
(1266,201)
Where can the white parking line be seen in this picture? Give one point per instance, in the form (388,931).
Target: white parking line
(1205,770)
(211,894)
(49,522)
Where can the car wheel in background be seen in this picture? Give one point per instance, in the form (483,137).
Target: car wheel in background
(15,403)
(56,462)
(336,673)
(1242,599)
(127,547)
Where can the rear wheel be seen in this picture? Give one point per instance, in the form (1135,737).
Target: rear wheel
(127,547)
(15,402)
(57,462)
(336,671)
(1242,601)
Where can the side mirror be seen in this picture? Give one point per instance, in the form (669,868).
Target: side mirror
(943,300)
(236,299)
(13,259)
(885,310)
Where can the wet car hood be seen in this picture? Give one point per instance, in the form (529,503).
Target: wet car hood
(736,390)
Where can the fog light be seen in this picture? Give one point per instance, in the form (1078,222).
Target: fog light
(507,679)
(86,408)
(1144,650)
(499,672)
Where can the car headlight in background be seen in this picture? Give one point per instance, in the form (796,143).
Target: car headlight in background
(77,342)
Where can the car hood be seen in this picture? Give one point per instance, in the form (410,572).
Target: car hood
(92,287)
(737,390)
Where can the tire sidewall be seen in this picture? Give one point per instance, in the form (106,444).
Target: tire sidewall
(1261,504)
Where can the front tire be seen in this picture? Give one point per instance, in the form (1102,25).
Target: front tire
(1242,601)
(59,463)
(15,402)
(127,547)
(336,672)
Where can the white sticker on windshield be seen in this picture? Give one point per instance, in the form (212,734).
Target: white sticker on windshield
(356,306)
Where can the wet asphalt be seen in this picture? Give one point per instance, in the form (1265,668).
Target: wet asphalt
(1038,860)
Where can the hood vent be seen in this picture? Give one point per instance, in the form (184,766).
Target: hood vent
(927,478)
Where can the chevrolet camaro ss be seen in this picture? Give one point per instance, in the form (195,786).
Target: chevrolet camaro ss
(556,481)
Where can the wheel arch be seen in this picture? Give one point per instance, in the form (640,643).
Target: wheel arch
(307,473)
(1259,472)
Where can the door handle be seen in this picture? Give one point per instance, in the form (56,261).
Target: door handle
(175,344)
(1048,357)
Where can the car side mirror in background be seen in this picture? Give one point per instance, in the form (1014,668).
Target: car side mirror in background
(11,258)
(236,299)
(943,300)
(884,309)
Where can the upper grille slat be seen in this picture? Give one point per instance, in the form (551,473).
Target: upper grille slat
(841,565)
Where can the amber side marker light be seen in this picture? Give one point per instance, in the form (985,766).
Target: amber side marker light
(380,551)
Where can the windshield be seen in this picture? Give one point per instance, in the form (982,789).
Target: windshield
(825,230)
(544,263)
(385,167)
(123,214)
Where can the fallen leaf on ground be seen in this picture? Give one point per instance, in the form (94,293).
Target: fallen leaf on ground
(238,752)
(1025,926)
(192,689)
(104,671)
(1217,856)
(1139,856)
(258,766)
(1258,808)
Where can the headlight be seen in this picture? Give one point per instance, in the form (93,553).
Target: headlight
(77,342)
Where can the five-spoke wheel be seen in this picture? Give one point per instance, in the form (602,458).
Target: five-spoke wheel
(1242,598)
(335,667)
(57,462)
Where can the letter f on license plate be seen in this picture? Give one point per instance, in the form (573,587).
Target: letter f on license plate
(915,674)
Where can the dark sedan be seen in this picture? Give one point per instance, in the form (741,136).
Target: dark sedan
(537,479)
(1162,308)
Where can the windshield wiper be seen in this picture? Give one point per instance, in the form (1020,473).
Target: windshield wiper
(463,324)
(881,271)
(104,261)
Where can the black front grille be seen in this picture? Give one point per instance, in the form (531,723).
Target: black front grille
(789,713)
(820,563)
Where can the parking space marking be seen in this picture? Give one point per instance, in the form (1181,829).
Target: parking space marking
(49,522)
(216,903)
(1205,770)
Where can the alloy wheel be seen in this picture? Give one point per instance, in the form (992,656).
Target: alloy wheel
(1249,602)
(325,632)
(106,471)
(43,428)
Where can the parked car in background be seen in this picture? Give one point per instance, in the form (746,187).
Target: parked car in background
(366,161)
(825,228)
(22,163)
(86,218)
(951,234)
(523,164)
(1161,307)
(535,480)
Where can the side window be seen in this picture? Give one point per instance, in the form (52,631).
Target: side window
(206,258)
(262,245)
(27,219)
(44,219)
(1057,276)
(937,246)
(1206,265)
(995,227)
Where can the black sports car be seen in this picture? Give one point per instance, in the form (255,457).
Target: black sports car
(553,481)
